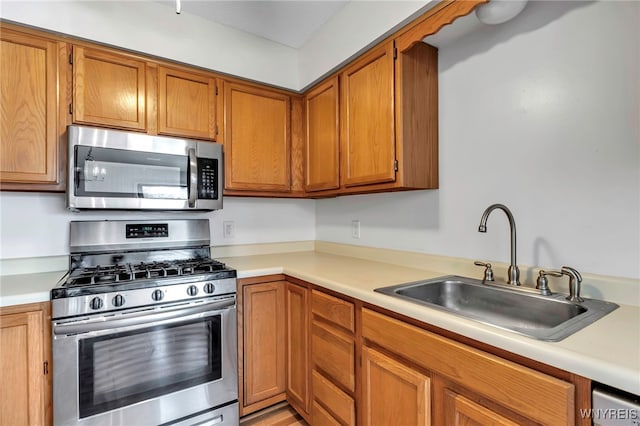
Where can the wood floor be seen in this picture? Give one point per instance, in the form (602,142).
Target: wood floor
(279,415)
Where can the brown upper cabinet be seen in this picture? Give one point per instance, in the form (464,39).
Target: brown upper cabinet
(131,93)
(388,119)
(322,142)
(257,138)
(108,89)
(186,104)
(29,123)
(370,127)
(367,121)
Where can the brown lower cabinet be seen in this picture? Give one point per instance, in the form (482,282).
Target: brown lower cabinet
(297,347)
(393,393)
(261,343)
(333,370)
(460,410)
(471,386)
(348,363)
(25,353)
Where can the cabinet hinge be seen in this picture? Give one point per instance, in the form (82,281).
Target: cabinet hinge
(71,58)
(46,368)
(216,90)
(216,129)
(395,53)
(395,165)
(70,108)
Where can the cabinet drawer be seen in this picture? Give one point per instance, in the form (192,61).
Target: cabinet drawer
(332,309)
(321,417)
(341,404)
(333,353)
(549,400)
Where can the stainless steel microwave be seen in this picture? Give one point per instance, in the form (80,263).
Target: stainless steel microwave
(112,169)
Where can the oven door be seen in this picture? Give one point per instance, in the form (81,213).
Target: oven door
(111,169)
(146,366)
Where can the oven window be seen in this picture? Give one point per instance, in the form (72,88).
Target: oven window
(124,368)
(107,172)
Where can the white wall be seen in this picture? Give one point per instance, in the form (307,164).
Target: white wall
(35,225)
(156,29)
(354,27)
(541,114)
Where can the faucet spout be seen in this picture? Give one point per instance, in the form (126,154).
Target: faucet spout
(514,271)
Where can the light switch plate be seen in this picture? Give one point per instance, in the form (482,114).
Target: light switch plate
(355,229)
(228,229)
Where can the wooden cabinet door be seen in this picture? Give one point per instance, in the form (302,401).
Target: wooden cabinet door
(264,341)
(186,104)
(393,393)
(297,362)
(28,121)
(257,139)
(22,372)
(460,411)
(367,119)
(108,89)
(322,142)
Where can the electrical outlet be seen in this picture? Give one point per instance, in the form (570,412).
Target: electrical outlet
(355,229)
(228,229)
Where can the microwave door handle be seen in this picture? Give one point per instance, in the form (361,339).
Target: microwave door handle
(193,177)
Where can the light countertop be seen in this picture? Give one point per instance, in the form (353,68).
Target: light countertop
(28,288)
(607,351)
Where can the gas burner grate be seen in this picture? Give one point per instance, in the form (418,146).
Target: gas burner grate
(107,274)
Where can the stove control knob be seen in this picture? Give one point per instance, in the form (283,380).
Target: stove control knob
(192,290)
(157,295)
(96,303)
(209,288)
(118,300)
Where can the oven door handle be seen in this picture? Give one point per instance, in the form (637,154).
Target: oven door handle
(193,177)
(141,318)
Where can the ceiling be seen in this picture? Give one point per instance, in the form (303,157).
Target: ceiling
(291,22)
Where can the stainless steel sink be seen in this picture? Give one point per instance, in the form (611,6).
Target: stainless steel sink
(519,310)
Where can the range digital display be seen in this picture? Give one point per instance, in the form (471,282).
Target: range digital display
(147,230)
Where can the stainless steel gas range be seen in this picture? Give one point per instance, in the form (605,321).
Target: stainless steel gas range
(144,327)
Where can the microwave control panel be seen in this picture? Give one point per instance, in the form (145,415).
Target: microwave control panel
(207,179)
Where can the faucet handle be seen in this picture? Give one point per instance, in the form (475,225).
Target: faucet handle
(488,272)
(542,283)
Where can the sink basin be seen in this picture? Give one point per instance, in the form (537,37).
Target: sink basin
(519,310)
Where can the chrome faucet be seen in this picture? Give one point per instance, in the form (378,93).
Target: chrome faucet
(514,272)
